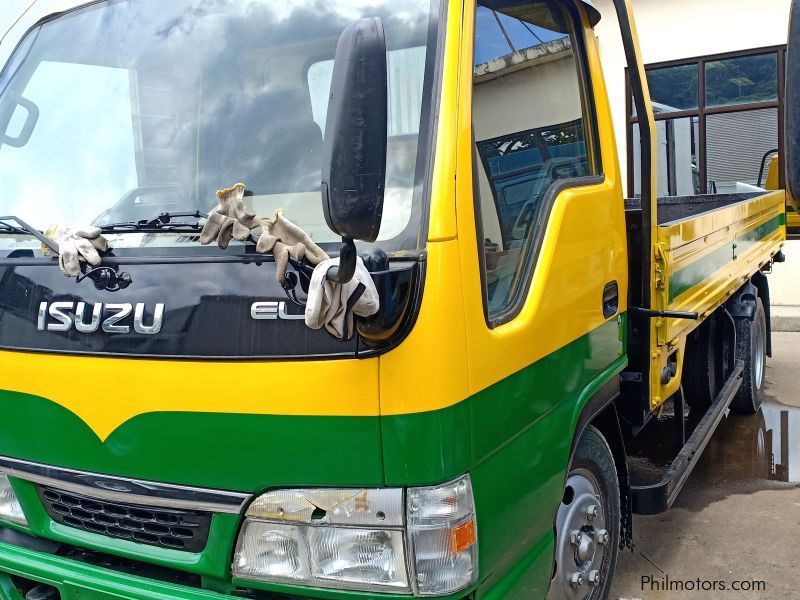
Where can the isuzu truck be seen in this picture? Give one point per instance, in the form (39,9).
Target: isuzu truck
(171,428)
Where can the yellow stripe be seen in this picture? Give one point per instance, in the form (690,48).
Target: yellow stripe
(107,392)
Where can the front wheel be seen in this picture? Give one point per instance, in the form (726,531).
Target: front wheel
(587,523)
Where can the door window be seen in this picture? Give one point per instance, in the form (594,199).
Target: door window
(532,135)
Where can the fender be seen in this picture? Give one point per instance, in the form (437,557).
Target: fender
(601,411)
(760,281)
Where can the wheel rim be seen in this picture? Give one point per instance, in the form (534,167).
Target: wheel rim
(759,352)
(582,539)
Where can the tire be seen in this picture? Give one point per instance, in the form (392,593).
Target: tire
(592,555)
(751,346)
(700,370)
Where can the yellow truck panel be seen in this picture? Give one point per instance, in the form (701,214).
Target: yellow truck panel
(704,259)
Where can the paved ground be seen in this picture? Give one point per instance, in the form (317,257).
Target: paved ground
(786,318)
(738,519)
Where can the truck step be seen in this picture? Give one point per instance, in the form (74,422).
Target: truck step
(658,497)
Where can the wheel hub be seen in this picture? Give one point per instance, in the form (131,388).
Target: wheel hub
(586,548)
(581,539)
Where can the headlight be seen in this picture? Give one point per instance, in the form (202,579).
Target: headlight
(10,510)
(420,541)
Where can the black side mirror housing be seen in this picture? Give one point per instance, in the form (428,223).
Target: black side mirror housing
(354,152)
(791,151)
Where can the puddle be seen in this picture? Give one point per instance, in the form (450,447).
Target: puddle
(746,453)
(752,451)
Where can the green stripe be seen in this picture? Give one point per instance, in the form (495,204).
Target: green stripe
(691,275)
(225,451)
(513,437)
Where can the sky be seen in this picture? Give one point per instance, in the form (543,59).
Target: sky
(9,11)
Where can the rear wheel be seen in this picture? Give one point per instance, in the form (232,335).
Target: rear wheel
(700,367)
(587,523)
(751,346)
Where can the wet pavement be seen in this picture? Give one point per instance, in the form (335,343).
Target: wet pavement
(737,521)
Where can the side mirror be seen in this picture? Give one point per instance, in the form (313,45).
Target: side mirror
(791,151)
(354,152)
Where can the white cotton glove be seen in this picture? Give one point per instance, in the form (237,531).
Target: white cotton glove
(230,218)
(284,239)
(76,244)
(332,305)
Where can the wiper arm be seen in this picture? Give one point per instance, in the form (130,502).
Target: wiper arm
(163,222)
(104,278)
(23,228)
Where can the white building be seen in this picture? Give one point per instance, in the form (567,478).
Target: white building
(673,30)
(692,31)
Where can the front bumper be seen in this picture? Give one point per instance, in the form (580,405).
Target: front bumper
(79,581)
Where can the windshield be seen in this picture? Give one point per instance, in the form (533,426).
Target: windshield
(126,109)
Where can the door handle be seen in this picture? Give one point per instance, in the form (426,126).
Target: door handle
(610,299)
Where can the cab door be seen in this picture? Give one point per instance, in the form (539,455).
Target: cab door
(542,237)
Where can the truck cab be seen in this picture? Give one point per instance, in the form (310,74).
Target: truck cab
(172,428)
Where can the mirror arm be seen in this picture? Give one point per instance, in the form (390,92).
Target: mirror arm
(347,263)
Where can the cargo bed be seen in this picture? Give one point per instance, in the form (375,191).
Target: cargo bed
(676,208)
(705,248)
(710,245)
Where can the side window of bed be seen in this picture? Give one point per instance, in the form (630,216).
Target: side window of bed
(532,132)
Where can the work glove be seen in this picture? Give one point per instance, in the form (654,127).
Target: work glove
(76,244)
(333,305)
(230,219)
(285,239)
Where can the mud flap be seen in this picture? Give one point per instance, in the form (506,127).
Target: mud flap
(742,305)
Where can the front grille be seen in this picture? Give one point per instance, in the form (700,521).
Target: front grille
(164,527)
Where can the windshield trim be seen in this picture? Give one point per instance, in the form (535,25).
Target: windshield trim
(431,108)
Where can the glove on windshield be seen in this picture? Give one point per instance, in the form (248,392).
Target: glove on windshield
(333,304)
(76,244)
(230,219)
(285,239)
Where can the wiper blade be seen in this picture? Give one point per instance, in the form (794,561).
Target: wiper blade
(22,227)
(163,222)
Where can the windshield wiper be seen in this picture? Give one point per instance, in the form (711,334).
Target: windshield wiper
(163,222)
(22,228)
